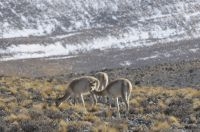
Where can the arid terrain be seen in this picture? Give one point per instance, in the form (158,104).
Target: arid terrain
(165,97)
(26,105)
(46,43)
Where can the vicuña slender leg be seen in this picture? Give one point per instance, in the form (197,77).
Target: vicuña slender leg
(75,101)
(94,99)
(126,100)
(110,102)
(105,100)
(118,107)
(82,100)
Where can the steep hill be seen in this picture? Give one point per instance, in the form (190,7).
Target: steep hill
(151,19)
(85,33)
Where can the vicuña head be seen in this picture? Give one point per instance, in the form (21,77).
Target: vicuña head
(103,79)
(79,87)
(118,88)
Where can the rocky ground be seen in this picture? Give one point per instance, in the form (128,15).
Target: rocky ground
(26,105)
(179,57)
(165,97)
(178,74)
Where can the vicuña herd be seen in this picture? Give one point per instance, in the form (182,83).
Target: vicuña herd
(98,86)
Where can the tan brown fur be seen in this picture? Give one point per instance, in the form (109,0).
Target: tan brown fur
(79,87)
(103,79)
(118,88)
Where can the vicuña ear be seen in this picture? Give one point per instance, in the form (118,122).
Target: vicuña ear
(92,83)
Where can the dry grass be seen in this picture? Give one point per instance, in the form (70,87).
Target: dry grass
(28,104)
(19,117)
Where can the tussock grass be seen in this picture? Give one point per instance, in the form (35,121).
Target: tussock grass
(19,117)
(30,104)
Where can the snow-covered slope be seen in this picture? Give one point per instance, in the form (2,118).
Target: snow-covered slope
(70,27)
(158,18)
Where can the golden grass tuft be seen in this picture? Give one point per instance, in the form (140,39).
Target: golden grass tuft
(138,99)
(76,125)
(134,102)
(196,103)
(109,113)
(12,105)
(4,89)
(47,90)
(79,108)
(62,126)
(64,105)
(26,103)
(173,121)
(13,91)
(91,118)
(25,94)
(53,108)
(19,117)
(8,99)
(160,126)
(93,108)
(2,104)
(162,105)
(39,106)
(104,128)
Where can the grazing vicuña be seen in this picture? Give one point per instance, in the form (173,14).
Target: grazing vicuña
(79,87)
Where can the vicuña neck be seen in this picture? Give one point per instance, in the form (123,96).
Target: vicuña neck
(100,93)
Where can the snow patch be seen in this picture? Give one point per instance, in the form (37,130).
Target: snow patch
(194,50)
(149,57)
(60,58)
(65,36)
(127,40)
(41,30)
(25,51)
(126,63)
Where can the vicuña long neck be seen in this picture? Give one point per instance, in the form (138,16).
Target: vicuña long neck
(100,93)
(66,96)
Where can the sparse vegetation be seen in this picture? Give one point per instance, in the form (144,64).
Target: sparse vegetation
(26,105)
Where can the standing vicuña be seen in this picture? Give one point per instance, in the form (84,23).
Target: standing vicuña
(118,88)
(103,78)
(79,87)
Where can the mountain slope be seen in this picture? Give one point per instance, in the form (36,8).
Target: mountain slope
(158,18)
(89,35)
